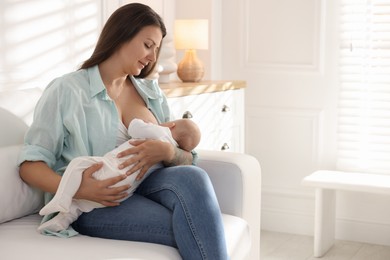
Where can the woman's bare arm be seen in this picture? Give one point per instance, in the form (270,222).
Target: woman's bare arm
(39,175)
(146,153)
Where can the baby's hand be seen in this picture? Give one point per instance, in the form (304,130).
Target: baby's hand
(170,125)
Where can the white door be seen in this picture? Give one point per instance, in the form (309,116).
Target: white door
(285,50)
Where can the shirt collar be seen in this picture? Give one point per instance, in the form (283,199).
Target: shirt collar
(146,87)
(96,85)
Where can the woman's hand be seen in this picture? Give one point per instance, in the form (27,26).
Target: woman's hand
(100,190)
(146,153)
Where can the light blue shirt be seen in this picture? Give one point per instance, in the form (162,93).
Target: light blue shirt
(76,117)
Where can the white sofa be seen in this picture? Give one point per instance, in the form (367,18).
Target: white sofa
(236,179)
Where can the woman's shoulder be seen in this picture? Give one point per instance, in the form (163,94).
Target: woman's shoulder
(81,74)
(69,82)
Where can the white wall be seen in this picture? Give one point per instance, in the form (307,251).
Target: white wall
(286,50)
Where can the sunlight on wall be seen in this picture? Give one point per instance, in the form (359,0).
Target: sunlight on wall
(44,39)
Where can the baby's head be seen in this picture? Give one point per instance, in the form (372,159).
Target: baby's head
(186,133)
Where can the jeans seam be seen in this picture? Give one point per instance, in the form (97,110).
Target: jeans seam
(134,227)
(187,216)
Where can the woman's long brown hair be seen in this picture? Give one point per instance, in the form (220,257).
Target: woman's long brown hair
(121,27)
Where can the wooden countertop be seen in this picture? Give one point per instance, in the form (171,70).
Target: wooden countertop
(180,89)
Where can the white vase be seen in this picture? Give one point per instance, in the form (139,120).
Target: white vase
(167,59)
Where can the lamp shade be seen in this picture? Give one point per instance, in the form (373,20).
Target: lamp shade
(192,34)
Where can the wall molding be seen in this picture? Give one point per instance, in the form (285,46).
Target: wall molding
(301,221)
(314,66)
(290,192)
(274,217)
(362,230)
(289,207)
(314,115)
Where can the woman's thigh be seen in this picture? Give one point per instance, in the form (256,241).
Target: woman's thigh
(135,219)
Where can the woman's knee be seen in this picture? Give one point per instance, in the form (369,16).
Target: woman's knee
(178,178)
(192,178)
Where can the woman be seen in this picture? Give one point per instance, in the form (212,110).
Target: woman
(85,113)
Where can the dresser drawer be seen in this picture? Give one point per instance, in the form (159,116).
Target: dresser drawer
(219,116)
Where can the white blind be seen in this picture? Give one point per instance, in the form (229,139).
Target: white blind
(43,39)
(364,103)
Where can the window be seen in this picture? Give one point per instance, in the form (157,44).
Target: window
(364,103)
(43,39)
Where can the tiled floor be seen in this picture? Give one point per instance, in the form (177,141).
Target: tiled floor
(280,246)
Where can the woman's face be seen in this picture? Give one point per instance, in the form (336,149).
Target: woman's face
(141,50)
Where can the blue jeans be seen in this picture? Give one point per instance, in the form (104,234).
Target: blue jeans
(174,206)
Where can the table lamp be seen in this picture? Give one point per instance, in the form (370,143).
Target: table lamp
(191,35)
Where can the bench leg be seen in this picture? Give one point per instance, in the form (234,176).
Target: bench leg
(324,223)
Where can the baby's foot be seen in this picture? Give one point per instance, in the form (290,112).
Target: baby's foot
(56,224)
(56,205)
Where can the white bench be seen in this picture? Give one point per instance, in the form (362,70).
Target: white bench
(326,184)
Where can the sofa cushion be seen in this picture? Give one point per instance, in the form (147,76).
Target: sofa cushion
(36,246)
(22,234)
(17,198)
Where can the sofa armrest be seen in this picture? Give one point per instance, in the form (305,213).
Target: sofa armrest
(236,178)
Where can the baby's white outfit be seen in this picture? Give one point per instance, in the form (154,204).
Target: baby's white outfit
(69,208)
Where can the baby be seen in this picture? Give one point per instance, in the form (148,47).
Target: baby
(184,134)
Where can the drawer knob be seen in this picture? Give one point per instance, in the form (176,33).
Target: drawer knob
(187,114)
(225,147)
(225,108)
